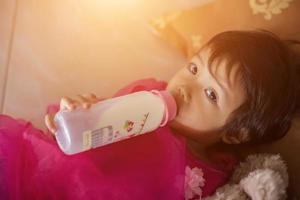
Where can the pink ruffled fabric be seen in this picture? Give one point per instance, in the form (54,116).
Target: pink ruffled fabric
(151,166)
(194,182)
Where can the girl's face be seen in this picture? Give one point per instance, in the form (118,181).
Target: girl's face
(205,98)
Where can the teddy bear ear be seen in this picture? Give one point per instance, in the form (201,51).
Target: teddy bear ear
(264,184)
(241,136)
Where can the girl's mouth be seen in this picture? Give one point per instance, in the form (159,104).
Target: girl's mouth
(181,97)
(182,93)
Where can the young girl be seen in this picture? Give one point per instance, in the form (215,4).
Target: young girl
(242,86)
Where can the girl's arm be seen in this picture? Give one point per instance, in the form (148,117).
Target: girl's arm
(70,104)
(86,101)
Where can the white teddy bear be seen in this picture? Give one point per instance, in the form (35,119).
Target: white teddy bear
(259,177)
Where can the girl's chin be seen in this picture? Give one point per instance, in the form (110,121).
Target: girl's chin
(186,131)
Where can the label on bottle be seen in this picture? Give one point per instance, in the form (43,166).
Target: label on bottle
(109,134)
(87,140)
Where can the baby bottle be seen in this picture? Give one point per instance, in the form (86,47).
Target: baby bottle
(113,120)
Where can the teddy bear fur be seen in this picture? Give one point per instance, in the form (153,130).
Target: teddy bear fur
(259,177)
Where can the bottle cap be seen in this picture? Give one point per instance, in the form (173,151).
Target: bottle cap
(170,103)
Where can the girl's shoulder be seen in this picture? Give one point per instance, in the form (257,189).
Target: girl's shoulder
(220,162)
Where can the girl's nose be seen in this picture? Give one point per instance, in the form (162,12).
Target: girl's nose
(184,93)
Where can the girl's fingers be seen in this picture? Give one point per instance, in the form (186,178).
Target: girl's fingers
(87,100)
(83,101)
(49,121)
(92,98)
(67,103)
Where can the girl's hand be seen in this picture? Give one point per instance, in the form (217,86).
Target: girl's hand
(67,103)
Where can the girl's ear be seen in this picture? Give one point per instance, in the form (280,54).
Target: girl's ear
(239,137)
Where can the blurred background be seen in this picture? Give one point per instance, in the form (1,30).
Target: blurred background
(50,49)
(55,48)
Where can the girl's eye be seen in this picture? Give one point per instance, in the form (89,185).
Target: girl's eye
(192,67)
(211,94)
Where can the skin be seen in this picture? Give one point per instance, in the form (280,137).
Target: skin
(205,99)
(70,104)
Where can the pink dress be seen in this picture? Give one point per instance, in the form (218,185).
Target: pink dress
(152,166)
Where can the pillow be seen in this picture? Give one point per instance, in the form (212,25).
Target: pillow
(188,30)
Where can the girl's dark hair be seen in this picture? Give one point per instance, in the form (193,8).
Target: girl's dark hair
(270,72)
